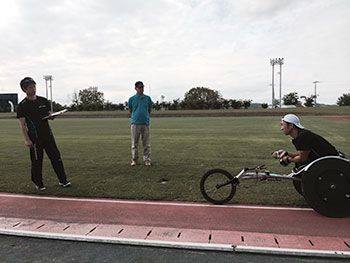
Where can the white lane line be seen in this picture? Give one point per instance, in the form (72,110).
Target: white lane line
(152,203)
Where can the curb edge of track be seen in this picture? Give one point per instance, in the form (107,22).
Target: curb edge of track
(180,245)
(292,252)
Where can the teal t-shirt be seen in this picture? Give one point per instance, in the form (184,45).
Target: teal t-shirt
(139,106)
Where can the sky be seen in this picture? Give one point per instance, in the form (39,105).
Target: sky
(175,45)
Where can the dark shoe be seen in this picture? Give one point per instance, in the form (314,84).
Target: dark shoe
(64,184)
(40,188)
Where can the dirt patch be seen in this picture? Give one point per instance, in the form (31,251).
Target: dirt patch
(340,118)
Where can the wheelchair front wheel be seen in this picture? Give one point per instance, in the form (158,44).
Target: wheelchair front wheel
(217,186)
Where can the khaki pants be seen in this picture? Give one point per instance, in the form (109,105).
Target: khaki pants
(136,131)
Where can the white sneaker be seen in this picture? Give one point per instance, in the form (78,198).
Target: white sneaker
(40,188)
(65,184)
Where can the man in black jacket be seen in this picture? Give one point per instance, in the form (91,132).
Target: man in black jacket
(38,135)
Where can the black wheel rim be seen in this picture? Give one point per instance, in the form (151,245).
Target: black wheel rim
(326,187)
(217,186)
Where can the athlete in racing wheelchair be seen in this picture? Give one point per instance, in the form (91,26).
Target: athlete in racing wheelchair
(325,182)
(321,175)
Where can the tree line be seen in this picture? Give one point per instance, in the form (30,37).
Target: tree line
(198,98)
(294,99)
(91,99)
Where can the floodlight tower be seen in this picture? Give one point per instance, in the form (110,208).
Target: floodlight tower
(273,95)
(273,62)
(280,61)
(49,78)
(315,82)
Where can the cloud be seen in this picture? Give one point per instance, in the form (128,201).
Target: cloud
(174,45)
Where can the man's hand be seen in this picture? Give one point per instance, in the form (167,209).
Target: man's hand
(282,156)
(284,161)
(282,153)
(29,143)
(279,154)
(51,117)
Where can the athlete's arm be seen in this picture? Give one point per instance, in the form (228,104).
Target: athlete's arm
(299,157)
(22,124)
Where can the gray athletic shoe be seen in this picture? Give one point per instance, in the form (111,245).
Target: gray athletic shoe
(64,184)
(40,188)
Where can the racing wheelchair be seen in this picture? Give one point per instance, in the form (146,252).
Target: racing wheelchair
(324,183)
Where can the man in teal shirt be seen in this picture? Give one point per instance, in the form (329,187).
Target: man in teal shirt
(140,106)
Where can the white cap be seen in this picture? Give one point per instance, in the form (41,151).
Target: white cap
(291,118)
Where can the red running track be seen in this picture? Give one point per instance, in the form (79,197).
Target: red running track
(340,118)
(259,219)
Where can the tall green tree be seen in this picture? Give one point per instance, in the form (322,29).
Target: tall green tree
(309,101)
(156,105)
(344,100)
(175,105)
(91,96)
(88,99)
(236,104)
(225,104)
(57,106)
(246,103)
(202,98)
(291,99)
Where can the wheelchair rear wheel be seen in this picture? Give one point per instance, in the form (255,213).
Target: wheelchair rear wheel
(326,187)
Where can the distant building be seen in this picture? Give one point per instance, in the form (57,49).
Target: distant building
(8,102)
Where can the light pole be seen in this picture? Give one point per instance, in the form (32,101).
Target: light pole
(49,78)
(273,62)
(315,82)
(273,95)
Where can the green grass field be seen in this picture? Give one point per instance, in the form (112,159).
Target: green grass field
(96,155)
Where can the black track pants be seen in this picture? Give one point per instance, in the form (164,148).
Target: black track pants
(36,156)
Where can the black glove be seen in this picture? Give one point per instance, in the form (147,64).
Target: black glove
(284,161)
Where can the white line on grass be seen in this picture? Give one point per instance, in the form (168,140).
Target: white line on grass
(151,202)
